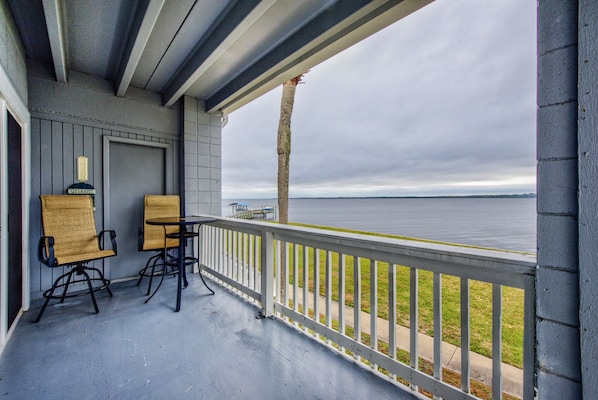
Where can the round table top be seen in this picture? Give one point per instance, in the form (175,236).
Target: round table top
(180,221)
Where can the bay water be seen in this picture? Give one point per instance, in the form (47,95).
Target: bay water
(504,223)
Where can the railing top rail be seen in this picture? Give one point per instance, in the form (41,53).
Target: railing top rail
(492,265)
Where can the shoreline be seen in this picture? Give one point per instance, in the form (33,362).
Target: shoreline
(473,196)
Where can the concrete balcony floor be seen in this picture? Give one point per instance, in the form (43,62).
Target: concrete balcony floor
(214,348)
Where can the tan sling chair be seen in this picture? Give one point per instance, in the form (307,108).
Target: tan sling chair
(71,240)
(153,238)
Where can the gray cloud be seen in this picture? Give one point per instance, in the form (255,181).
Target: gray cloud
(442,102)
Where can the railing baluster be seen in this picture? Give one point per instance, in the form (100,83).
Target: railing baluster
(216,249)
(241,258)
(236,256)
(341,295)
(305,283)
(250,264)
(201,244)
(496,341)
(329,290)
(374,307)
(285,284)
(465,336)
(210,246)
(296,251)
(248,260)
(392,313)
(413,320)
(213,248)
(229,253)
(277,282)
(245,264)
(437,326)
(240,269)
(223,258)
(201,241)
(258,262)
(357,299)
(317,287)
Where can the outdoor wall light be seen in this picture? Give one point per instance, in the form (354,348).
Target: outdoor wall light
(82,169)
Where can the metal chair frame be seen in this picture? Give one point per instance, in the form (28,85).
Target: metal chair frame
(70,241)
(155,206)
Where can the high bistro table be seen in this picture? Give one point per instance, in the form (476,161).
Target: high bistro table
(186,230)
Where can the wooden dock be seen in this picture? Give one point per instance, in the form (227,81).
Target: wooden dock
(242,211)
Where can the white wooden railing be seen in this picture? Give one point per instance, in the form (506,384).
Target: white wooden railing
(246,256)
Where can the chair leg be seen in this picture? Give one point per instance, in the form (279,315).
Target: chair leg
(66,286)
(204,282)
(79,270)
(159,284)
(48,296)
(105,281)
(92,294)
(144,270)
(199,263)
(41,312)
(158,257)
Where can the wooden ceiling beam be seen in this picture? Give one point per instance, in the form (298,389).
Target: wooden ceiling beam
(56,33)
(143,25)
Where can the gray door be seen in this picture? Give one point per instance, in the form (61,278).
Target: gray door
(135,170)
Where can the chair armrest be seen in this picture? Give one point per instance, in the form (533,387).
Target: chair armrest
(140,239)
(45,251)
(112,239)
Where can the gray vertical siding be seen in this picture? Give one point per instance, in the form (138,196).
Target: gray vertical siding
(55,146)
(65,124)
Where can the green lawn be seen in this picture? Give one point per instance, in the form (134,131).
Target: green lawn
(480,302)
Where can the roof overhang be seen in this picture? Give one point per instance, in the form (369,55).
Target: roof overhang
(224,53)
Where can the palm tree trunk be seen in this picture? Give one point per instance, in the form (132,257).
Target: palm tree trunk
(283,149)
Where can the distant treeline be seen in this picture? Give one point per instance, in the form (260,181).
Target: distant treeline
(473,196)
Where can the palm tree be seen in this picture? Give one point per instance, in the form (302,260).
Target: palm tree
(283,149)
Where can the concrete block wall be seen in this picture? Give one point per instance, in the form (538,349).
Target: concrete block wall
(588,193)
(12,53)
(202,159)
(557,289)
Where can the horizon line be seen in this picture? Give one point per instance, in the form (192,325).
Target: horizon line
(517,195)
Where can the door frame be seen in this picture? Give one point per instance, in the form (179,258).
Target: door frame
(106,176)
(10,101)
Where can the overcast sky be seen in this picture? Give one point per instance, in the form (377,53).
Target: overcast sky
(443,102)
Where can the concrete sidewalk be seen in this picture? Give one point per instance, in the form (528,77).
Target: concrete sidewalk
(480,366)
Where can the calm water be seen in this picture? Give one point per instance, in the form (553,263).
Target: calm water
(505,223)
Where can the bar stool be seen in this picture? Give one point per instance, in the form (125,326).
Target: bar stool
(154,238)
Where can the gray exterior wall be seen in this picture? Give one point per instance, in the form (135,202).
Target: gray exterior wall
(68,120)
(203,159)
(588,193)
(567,276)
(12,52)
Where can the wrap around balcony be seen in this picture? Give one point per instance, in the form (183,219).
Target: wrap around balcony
(484,347)
(277,328)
